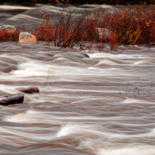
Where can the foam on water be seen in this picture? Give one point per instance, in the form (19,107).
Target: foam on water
(116,56)
(8,88)
(71,129)
(35,68)
(107,62)
(39,117)
(32,69)
(31,118)
(80,129)
(133,100)
(11,7)
(138,150)
(143,62)
(99,145)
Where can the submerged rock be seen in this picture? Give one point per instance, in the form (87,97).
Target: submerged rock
(29,90)
(8,28)
(12,99)
(27,38)
(6,67)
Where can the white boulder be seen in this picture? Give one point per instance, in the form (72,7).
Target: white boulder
(27,38)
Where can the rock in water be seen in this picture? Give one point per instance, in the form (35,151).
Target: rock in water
(12,99)
(8,28)
(29,90)
(27,38)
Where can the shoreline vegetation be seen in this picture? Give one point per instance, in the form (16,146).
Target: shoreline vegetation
(125,26)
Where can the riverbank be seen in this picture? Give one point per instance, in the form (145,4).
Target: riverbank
(94,24)
(76,100)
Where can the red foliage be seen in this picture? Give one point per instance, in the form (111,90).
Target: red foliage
(44,32)
(113,40)
(89,30)
(152,31)
(9,36)
(132,25)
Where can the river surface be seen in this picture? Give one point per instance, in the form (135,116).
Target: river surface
(90,102)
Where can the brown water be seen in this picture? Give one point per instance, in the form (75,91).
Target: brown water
(96,103)
(90,102)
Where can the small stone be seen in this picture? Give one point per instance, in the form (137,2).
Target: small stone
(29,90)
(27,38)
(8,28)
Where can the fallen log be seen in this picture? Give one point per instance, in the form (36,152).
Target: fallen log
(12,99)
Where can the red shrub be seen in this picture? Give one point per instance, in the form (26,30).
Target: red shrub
(64,32)
(113,40)
(152,33)
(9,36)
(132,25)
(152,30)
(89,30)
(44,32)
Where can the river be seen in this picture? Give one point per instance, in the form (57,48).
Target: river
(90,102)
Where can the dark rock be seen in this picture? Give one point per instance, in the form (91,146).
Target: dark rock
(29,90)
(12,99)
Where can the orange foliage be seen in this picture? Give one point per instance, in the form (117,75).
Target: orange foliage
(152,31)
(132,25)
(44,32)
(9,36)
(113,40)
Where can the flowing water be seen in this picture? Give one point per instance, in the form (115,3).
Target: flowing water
(90,103)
